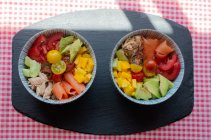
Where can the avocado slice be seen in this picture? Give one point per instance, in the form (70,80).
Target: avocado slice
(153,78)
(73,49)
(142,93)
(121,55)
(34,67)
(152,86)
(64,42)
(165,85)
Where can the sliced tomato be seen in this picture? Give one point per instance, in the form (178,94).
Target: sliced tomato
(53,40)
(36,52)
(169,64)
(40,41)
(138,76)
(56,77)
(174,72)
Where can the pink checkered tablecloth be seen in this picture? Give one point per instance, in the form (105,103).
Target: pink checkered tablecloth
(194,14)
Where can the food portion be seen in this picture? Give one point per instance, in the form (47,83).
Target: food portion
(58,67)
(145,68)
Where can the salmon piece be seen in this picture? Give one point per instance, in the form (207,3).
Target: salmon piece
(68,88)
(150,46)
(77,86)
(59,91)
(164,49)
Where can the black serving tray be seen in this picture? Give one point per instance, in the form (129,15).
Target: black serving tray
(102,110)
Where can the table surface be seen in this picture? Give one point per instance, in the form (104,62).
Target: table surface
(194,14)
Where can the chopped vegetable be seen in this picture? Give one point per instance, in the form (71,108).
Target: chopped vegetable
(34,68)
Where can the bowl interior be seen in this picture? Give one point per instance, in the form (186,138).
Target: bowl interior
(148,33)
(24,53)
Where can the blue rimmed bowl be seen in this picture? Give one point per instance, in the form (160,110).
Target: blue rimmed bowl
(24,52)
(149,33)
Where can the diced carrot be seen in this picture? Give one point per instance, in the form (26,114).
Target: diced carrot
(149,48)
(70,79)
(164,49)
(59,91)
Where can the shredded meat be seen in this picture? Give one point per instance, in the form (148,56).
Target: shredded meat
(41,89)
(48,91)
(133,49)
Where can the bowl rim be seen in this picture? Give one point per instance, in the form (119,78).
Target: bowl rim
(179,78)
(23,54)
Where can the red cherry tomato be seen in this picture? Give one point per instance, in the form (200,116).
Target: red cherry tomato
(138,76)
(57,78)
(151,65)
(169,64)
(53,40)
(173,72)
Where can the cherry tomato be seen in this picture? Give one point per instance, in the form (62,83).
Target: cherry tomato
(151,65)
(138,76)
(174,72)
(53,40)
(54,56)
(169,64)
(56,78)
(59,67)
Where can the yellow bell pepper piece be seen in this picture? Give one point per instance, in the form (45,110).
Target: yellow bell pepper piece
(135,68)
